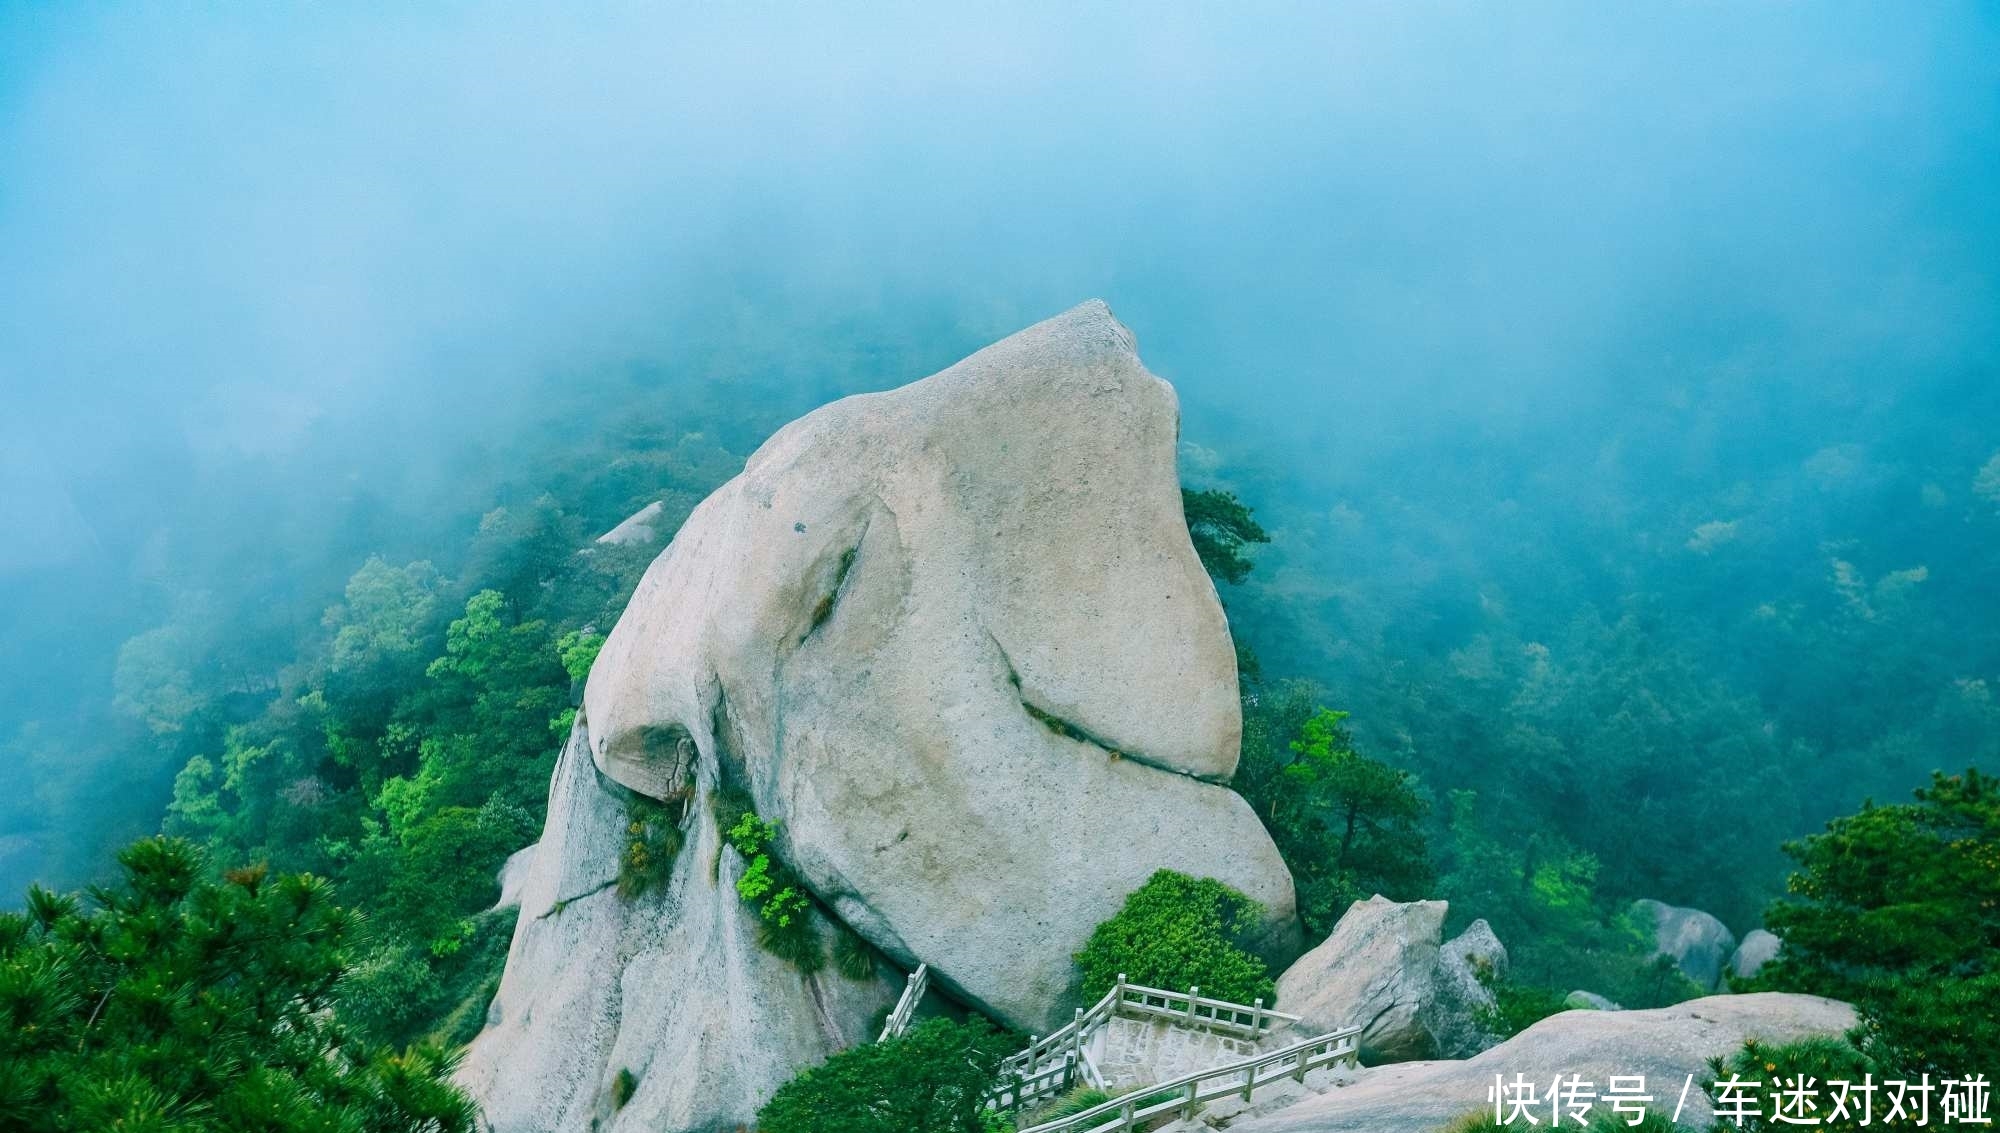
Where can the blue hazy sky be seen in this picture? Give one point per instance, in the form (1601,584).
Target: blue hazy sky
(219,223)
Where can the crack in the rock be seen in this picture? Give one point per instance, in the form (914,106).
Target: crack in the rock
(1070,730)
(565,902)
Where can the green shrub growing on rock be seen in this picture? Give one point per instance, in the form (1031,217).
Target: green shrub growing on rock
(784,907)
(1177,932)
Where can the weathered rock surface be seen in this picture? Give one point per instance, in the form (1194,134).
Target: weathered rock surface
(672,986)
(1758,949)
(1379,969)
(954,639)
(514,877)
(1698,943)
(1467,964)
(1665,1045)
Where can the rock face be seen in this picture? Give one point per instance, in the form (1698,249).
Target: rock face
(1382,967)
(954,640)
(1698,943)
(1758,949)
(639,528)
(1665,1045)
(671,987)
(1467,964)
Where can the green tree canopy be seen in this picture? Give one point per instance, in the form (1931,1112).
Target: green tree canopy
(1221,525)
(179,1004)
(933,1078)
(1897,909)
(1348,826)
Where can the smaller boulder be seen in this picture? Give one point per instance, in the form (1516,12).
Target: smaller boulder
(1461,1013)
(1758,949)
(1698,943)
(1589,1001)
(1379,969)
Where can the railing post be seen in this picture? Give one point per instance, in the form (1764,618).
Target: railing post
(1125,1114)
(1118,994)
(1305,1059)
(1193,992)
(1076,1036)
(1187,1103)
(1257,1019)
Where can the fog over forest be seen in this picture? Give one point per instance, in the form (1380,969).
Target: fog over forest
(1620,388)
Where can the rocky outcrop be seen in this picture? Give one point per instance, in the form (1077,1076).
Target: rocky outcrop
(1383,968)
(1758,949)
(514,877)
(1589,1001)
(671,988)
(1664,1045)
(1698,943)
(954,640)
(1468,964)
(638,529)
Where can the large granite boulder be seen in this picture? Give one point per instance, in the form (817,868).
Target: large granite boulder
(1758,949)
(1378,969)
(1698,943)
(1665,1045)
(954,640)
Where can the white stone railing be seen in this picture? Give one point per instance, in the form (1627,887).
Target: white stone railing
(913,994)
(1180,1096)
(1051,1065)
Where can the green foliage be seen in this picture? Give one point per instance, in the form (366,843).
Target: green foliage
(852,956)
(653,842)
(1602,1120)
(1177,932)
(1518,1006)
(1897,909)
(1543,898)
(1814,1062)
(1220,526)
(1077,1100)
(578,650)
(785,921)
(1348,826)
(623,1086)
(181,1003)
(933,1078)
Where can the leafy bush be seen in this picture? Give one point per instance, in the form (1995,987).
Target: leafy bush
(1176,932)
(181,1003)
(784,907)
(933,1078)
(1518,1006)
(1897,910)
(653,843)
(852,956)
(623,1086)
